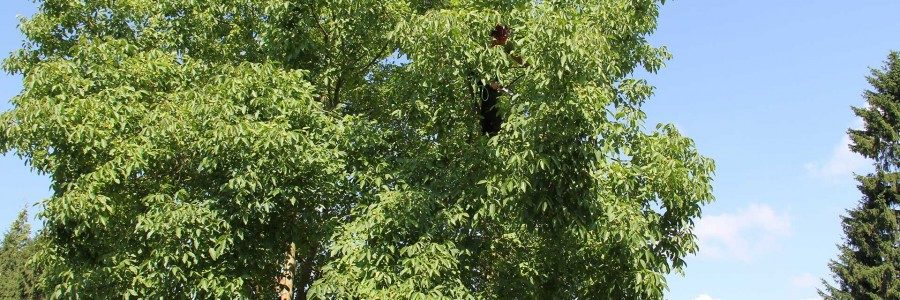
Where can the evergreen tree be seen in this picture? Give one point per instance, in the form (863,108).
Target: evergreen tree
(18,280)
(868,266)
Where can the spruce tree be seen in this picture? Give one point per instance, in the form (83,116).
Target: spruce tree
(17,278)
(869,263)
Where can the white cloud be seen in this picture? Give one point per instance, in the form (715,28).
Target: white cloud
(842,163)
(805,280)
(705,297)
(742,235)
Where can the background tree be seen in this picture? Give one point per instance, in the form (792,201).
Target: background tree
(330,148)
(868,266)
(18,278)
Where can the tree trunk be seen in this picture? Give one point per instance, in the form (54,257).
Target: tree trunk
(286,282)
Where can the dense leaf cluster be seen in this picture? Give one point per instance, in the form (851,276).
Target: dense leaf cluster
(868,266)
(191,143)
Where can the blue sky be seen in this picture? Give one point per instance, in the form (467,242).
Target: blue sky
(764,87)
(18,185)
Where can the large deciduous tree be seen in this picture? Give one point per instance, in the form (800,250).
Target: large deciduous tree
(331,149)
(868,266)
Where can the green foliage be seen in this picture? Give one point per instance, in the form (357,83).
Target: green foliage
(191,143)
(19,278)
(868,266)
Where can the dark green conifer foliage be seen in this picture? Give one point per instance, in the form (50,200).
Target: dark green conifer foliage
(869,263)
(18,280)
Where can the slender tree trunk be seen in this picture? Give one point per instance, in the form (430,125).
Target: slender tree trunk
(286,282)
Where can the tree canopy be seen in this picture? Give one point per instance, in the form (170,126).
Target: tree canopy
(206,148)
(868,266)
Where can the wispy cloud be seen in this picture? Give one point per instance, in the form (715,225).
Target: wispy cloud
(705,297)
(804,281)
(842,163)
(741,235)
